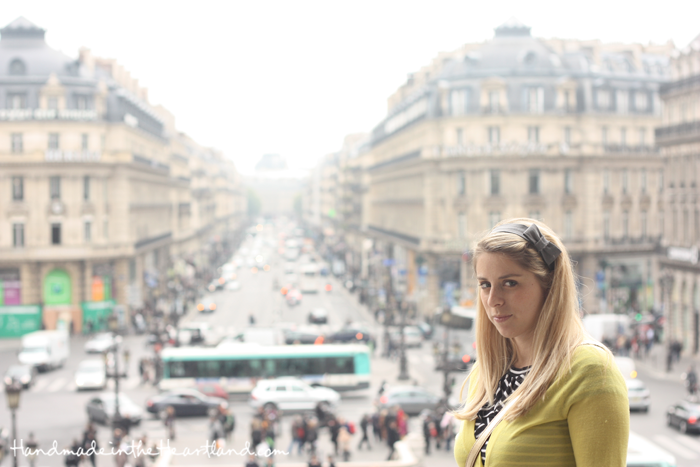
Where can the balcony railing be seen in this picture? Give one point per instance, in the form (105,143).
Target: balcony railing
(680,85)
(682,132)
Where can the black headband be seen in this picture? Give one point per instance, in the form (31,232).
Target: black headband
(548,250)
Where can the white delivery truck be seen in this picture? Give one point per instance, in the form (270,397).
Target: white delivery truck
(606,327)
(45,349)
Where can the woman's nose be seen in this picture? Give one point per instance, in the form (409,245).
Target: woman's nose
(494,299)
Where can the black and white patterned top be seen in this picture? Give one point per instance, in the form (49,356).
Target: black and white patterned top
(506,386)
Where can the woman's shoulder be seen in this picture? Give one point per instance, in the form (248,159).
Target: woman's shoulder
(592,361)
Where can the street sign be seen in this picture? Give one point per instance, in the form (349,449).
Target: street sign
(389,262)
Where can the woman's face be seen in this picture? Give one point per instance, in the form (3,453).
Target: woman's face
(512,296)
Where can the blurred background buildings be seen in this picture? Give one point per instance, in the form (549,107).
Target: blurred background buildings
(600,141)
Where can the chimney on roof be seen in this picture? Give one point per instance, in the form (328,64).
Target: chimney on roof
(22,28)
(512,27)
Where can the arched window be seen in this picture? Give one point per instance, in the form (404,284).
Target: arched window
(17,67)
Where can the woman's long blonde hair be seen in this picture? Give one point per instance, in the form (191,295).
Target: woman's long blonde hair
(557,333)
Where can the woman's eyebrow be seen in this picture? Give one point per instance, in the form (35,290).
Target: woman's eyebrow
(500,278)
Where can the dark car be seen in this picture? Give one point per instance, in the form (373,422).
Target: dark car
(303,335)
(351,333)
(318,316)
(186,402)
(412,399)
(24,374)
(685,415)
(101,409)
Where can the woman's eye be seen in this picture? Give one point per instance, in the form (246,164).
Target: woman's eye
(510,283)
(484,285)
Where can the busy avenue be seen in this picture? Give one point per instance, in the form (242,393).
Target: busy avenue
(253,309)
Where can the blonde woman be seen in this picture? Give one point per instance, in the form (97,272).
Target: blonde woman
(560,396)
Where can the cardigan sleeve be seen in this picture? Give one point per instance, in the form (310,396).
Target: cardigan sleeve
(598,410)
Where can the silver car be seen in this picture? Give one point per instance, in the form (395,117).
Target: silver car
(638,394)
(412,399)
(91,374)
(291,394)
(102,342)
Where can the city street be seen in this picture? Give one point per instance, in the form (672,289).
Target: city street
(53,410)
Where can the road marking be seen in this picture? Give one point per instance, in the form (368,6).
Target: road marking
(40,384)
(689,442)
(674,447)
(56,385)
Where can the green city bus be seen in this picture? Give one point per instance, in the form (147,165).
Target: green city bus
(238,367)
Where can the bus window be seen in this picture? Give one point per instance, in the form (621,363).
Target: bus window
(340,365)
(269,368)
(176,369)
(208,369)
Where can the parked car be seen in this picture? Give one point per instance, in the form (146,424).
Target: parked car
(412,399)
(304,334)
(91,374)
(291,394)
(186,402)
(685,415)
(216,284)
(318,316)
(638,395)
(102,342)
(206,306)
(351,333)
(413,337)
(24,374)
(101,409)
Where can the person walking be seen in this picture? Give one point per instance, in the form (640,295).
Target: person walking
(216,431)
(392,437)
(33,447)
(344,438)
(314,462)
(364,426)
(72,458)
(334,429)
(90,442)
(170,422)
(297,435)
(429,432)
(252,461)
(691,380)
(564,399)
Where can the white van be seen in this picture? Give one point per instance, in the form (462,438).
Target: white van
(261,336)
(45,349)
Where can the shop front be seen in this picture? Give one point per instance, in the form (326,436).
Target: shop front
(18,320)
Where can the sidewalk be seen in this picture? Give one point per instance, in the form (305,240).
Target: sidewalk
(7,345)
(655,364)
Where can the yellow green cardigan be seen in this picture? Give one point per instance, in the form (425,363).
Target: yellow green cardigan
(582,422)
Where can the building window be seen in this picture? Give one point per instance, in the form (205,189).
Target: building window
(568,101)
(533,134)
(604,135)
(494,134)
(567,135)
(662,221)
(56,234)
(641,101)
(460,136)
(17,101)
(81,102)
(606,225)
(52,103)
(568,224)
(84,141)
(132,270)
(623,136)
(494,105)
(462,225)
(603,99)
(622,101)
(461,183)
(643,223)
(686,227)
(606,181)
(86,188)
(88,231)
(17,67)
(458,102)
(17,189)
(17,235)
(53,141)
(643,180)
(625,223)
(642,136)
(55,187)
(534,182)
(494,218)
(17,143)
(697,226)
(568,181)
(624,179)
(661,180)
(534,215)
(495,177)
(535,100)
(105,229)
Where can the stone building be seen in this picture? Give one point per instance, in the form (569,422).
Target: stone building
(559,130)
(679,139)
(99,194)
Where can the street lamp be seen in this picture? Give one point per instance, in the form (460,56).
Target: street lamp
(667,290)
(13,391)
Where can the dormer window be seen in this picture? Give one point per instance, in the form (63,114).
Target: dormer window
(17,67)
(17,100)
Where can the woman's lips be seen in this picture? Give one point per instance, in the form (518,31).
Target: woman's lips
(502,318)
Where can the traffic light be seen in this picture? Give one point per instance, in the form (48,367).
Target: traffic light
(638,317)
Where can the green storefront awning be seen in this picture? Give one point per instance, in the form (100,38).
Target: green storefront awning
(18,320)
(97,314)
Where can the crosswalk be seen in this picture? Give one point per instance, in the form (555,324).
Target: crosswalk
(679,445)
(65,384)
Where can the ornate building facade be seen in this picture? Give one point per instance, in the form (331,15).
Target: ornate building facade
(99,193)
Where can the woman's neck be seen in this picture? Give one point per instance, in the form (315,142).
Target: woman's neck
(523,351)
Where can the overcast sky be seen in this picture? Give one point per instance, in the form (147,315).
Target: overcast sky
(293,77)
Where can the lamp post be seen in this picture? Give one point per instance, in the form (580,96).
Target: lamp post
(403,363)
(13,391)
(667,291)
